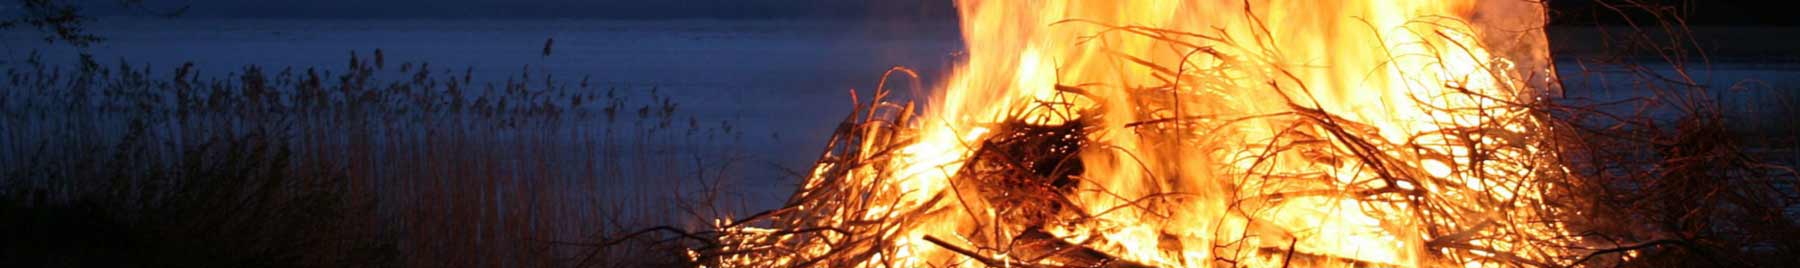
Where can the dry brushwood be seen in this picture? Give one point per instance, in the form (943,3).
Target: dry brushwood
(1025,170)
(1628,189)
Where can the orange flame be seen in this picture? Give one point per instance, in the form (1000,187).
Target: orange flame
(1247,133)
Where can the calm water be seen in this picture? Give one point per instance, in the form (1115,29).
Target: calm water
(790,78)
(785,84)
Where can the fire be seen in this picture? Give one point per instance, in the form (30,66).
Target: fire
(1205,133)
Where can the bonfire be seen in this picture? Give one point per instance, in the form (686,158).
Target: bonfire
(1202,133)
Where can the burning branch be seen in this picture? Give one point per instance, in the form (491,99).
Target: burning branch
(1178,148)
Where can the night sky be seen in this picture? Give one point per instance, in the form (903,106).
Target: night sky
(1698,12)
(605,9)
(1576,12)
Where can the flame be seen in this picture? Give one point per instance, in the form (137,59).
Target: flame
(1261,133)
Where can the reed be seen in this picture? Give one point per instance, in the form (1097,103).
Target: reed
(358,166)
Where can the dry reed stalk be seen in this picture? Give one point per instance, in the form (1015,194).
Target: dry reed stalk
(429,169)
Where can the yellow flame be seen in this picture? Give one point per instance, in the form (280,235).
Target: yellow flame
(1258,133)
(1394,66)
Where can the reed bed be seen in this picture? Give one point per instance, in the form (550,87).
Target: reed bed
(373,164)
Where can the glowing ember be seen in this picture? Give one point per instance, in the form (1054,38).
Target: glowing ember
(1199,133)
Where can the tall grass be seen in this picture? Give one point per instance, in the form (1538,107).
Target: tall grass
(370,165)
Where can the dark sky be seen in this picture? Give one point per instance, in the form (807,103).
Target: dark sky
(1697,12)
(1700,12)
(616,9)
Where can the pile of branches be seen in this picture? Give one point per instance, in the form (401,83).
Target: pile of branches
(1024,168)
(1638,188)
